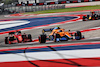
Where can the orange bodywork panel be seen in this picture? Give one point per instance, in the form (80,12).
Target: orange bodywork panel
(61,32)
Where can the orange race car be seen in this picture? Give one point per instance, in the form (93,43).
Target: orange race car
(57,34)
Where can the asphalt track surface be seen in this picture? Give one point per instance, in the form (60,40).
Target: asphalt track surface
(37,22)
(79,25)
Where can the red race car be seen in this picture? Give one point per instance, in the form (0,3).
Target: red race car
(17,37)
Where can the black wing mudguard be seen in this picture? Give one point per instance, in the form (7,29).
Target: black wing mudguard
(47,30)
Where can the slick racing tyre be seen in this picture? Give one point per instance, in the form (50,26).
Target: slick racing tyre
(84,18)
(96,17)
(42,38)
(6,40)
(78,35)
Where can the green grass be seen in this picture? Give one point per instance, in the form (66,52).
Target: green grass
(66,10)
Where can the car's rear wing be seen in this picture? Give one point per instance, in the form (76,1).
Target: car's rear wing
(11,33)
(47,30)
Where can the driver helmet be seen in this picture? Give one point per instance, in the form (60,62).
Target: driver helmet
(60,30)
(92,12)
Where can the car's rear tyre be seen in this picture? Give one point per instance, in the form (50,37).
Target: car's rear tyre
(96,17)
(6,40)
(42,38)
(78,34)
(84,18)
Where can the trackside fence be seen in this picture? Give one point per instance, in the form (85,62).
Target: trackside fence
(19,9)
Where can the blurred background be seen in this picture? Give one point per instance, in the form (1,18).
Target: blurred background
(18,6)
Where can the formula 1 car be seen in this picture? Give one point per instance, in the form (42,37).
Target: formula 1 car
(94,15)
(57,34)
(17,37)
